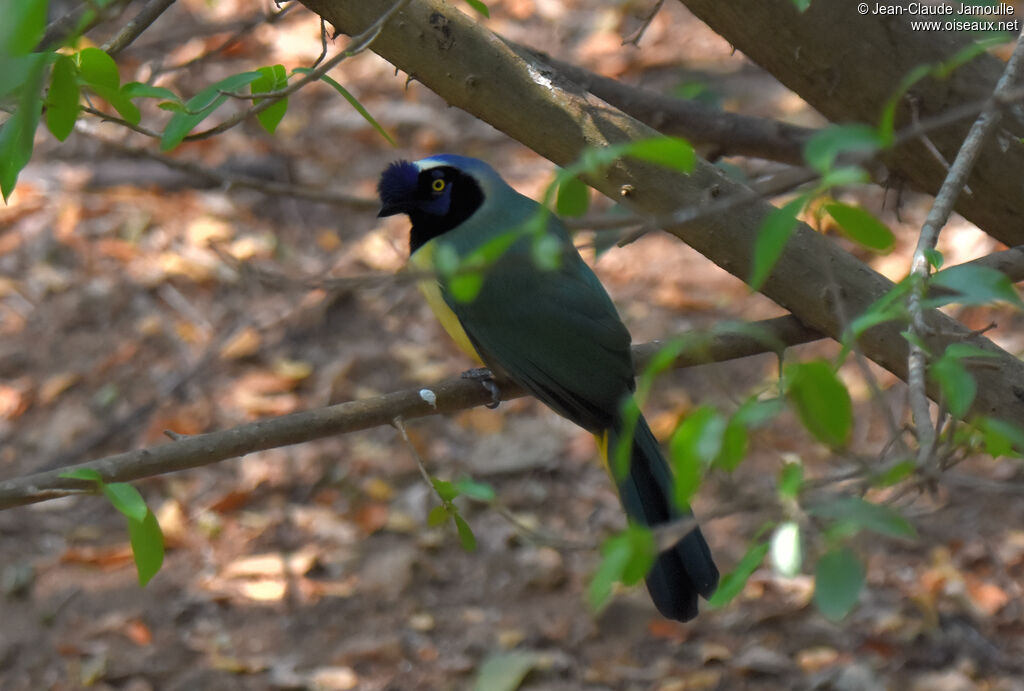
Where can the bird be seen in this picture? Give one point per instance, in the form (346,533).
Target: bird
(552,329)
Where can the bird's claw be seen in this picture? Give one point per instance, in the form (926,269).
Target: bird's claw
(486,379)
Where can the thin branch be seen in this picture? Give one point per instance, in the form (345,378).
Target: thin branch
(769,336)
(76,22)
(106,117)
(358,45)
(446,396)
(920,267)
(134,28)
(241,28)
(639,33)
(229,179)
(730,133)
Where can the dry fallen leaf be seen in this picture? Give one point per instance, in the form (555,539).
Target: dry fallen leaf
(15,398)
(333,679)
(138,632)
(243,344)
(371,517)
(113,557)
(55,385)
(989,598)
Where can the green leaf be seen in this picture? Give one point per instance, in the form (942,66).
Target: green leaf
(960,351)
(866,515)
(886,127)
(479,7)
(915,340)
(466,537)
(173,107)
(201,106)
(614,557)
(786,549)
(127,500)
(791,480)
(934,257)
(625,557)
(272,78)
(17,133)
(438,515)
(147,546)
(98,69)
(889,307)
(755,412)
(446,259)
(504,671)
(957,384)
(733,582)
(573,197)
(446,490)
(1002,438)
(547,252)
(823,148)
(14,71)
(801,5)
(140,90)
(694,445)
(973,285)
(62,98)
(822,401)
(735,442)
(24,22)
(772,237)
(87,474)
(669,152)
(642,552)
(354,102)
(465,286)
(481,491)
(862,227)
(896,473)
(843,175)
(838,580)
(121,103)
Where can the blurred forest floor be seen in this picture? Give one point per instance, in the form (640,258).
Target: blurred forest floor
(125,311)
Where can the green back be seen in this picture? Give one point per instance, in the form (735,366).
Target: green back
(555,332)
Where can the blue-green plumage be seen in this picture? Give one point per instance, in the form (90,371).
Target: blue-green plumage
(554,331)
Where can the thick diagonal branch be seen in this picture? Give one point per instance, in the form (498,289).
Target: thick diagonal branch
(472,69)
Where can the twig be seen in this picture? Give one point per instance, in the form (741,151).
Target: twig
(77,22)
(358,45)
(243,27)
(229,179)
(639,33)
(782,183)
(399,424)
(555,541)
(120,121)
(920,268)
(134,28)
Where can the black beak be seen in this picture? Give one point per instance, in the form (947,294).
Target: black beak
(390,210)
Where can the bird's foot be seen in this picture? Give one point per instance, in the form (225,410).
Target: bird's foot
(486,379)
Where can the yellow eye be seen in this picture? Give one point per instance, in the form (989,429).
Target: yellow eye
(438,185)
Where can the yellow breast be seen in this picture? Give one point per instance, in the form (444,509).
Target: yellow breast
(423,260)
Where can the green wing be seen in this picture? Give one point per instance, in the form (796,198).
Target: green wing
(554,332)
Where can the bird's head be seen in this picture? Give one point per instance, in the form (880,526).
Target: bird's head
(437,193)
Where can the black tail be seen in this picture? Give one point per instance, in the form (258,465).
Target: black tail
(686,570)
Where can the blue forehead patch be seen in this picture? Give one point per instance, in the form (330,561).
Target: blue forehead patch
(397,183)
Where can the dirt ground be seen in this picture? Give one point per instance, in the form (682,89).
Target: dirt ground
(135,300)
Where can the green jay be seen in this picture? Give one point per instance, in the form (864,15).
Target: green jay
(552,330)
